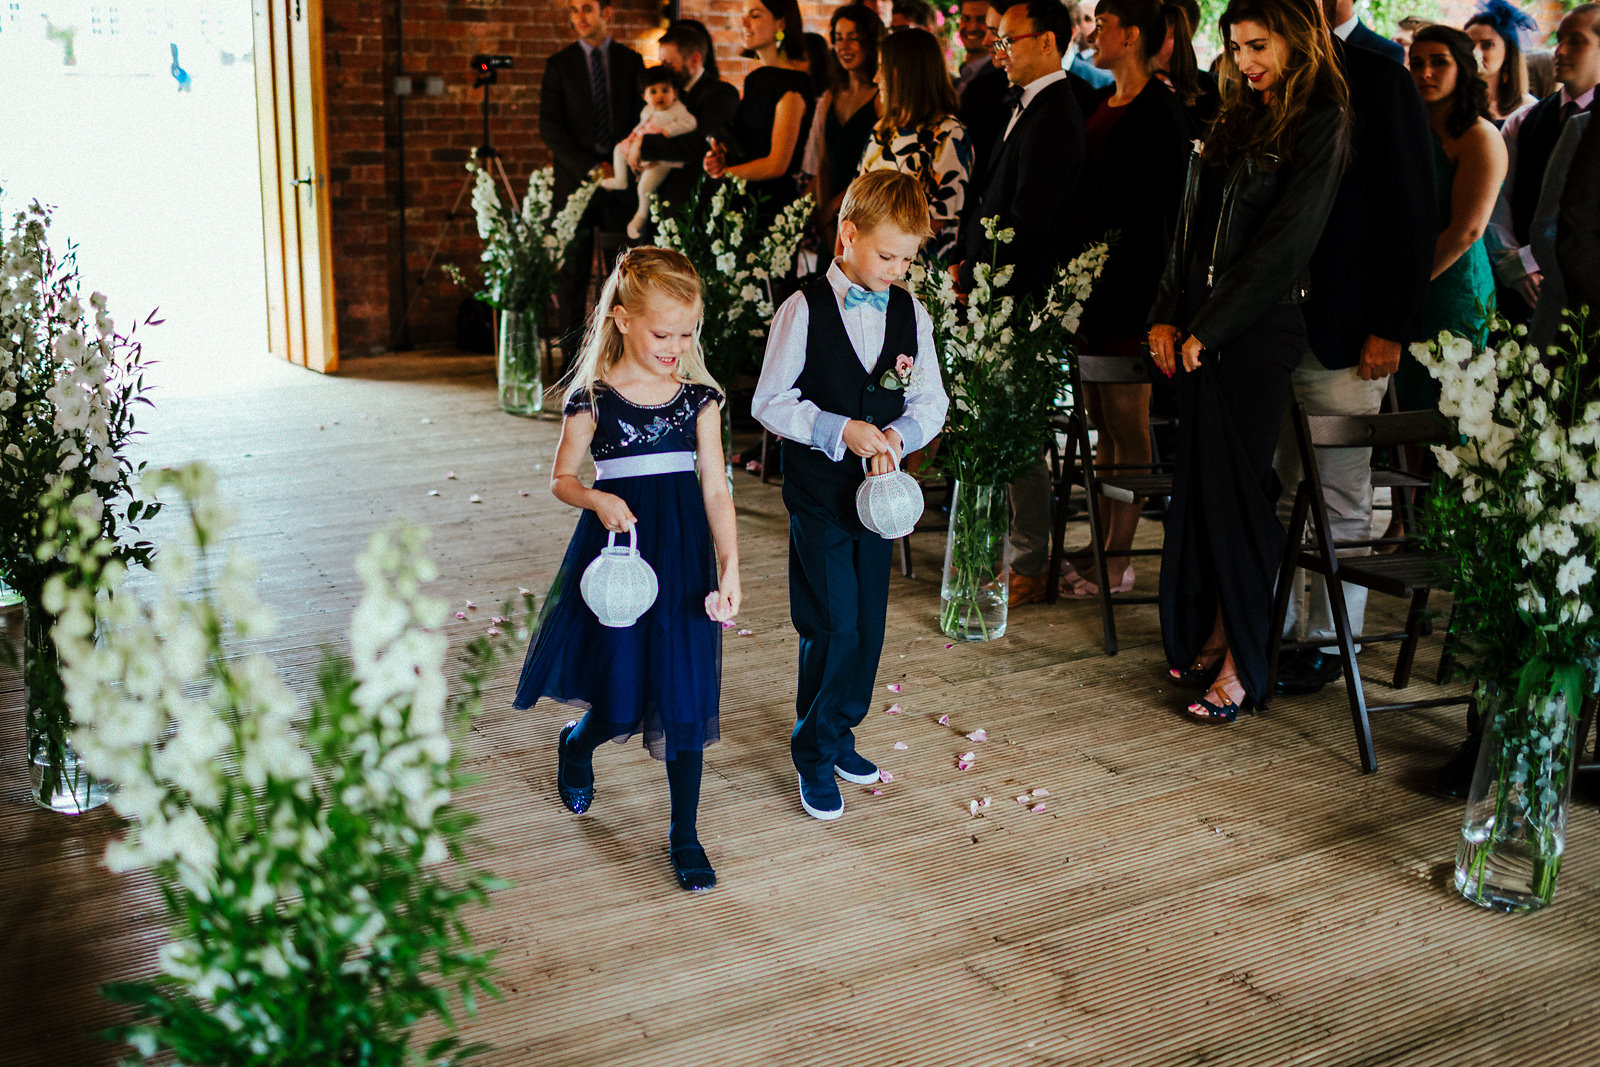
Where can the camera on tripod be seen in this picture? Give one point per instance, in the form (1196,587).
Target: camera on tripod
(487,65)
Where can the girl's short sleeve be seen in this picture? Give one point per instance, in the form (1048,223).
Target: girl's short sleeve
(580,401)
(701,395)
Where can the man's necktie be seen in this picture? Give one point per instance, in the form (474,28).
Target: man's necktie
(1013,98)
(857,295)
(1569,109)
(603,141)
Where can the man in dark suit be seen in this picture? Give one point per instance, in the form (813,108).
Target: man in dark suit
(589,100)
(1031,182)
(686,48)
(1346,26)
(1531,136)
(1369,275)
(1578,228)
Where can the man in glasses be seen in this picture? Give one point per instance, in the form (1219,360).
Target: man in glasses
(1032,180)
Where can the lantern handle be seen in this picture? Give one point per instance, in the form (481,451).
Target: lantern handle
(633,538)
(866,464)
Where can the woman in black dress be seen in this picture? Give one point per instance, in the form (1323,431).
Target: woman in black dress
(1255,200)
(845,114)
(768,132)
(1137,139)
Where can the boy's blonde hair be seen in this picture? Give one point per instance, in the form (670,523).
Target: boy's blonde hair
(640,276)
(887,196)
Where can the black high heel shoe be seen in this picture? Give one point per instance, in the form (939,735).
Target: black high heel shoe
(1199,676)
(692,868)
(576,800)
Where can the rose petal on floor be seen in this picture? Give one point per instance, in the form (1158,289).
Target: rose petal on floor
(461,614)
(425,422)
(494,631)
(944,720)
(1041,793)
(900,746)
(1036,809)
(968,756)
(746,633)
(894,687)
(875,792)
(972,807)
(449,476)
(1023,799)
(949,646)
(885,776)
(892,709)
(727,625)
(963,765)
(985,802)
(522,492)
(978,735)
(471,605)
(474,499)
(433,492)
(522,592)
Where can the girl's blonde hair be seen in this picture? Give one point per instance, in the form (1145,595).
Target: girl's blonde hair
(640,276)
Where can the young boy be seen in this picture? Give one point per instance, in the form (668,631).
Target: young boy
(850,379)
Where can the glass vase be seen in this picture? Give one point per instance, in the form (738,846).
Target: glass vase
(9,597)
(976,573)
(57,779)
(1515,828)
(517,365)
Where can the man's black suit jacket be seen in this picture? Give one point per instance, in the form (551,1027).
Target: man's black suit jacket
(1363,37)
(712,102)
(1370,270)
(566,111)
(984,114)
(1033,176)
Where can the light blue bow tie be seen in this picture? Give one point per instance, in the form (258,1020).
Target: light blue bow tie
(857,295)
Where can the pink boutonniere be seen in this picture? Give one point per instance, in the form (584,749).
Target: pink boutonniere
(900,376)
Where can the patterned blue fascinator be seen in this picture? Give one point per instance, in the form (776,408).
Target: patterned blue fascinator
(1509,21)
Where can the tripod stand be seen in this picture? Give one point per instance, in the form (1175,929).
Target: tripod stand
(487,158)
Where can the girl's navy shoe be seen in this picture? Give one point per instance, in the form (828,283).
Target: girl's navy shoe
(693,869)
(576,800)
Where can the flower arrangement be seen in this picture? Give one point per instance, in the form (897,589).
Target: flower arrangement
(68,385)
(1516,505)
(737,267)
(1005,367)
(523,251)
(313,875)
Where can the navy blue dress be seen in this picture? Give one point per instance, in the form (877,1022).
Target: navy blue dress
(662,676)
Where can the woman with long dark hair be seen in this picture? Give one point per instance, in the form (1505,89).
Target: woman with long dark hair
(845,113)
(768,132)
(919,133)
(1496,31)
(1469,164)
(1227,322)
(1136,138)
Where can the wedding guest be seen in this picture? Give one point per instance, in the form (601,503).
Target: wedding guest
(1541,64)
(1137,142)
(920,135)
(588,100)
(1227,319)
(1469,165)
(1031,183)
(974,41)
(686,48)
(1578,228)
(817,63)
(1369,278)
(845,114)
(1352,31)
(1176,66)
(984,111)
(911,14)
(1079,59)
(1544,329)
(1496,30)
(1405,33)
(1530,136)
(768,132)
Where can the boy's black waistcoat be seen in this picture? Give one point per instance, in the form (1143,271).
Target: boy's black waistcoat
(833,379)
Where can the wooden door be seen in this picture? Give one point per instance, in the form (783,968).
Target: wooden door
(291,119)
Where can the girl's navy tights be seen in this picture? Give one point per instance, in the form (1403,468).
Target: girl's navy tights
(683,777)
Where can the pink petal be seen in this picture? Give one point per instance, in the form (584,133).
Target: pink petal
(900,746)
(425,422)
(746,633)
(885,776)
(433,492)
(727,625)
(1023,799)
(474,499)
(522,492)
(1041,792)
(892,709)
(494,631)
(968,755)
(521,591)
(978,735)
(461,614)
(949,646)
(496,620)
(876,792)
(470,605)
(894,687)
(450,476)
(984,803)
(972,807)
(963,765)
(944,720)
(1036,809)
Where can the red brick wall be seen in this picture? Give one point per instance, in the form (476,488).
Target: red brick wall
(363,55)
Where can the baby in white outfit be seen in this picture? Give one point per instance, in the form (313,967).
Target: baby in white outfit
(663,113)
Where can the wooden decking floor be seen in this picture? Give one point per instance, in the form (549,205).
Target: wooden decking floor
(1238,895)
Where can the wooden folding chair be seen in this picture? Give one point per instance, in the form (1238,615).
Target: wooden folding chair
(1123,482)
(1410,572)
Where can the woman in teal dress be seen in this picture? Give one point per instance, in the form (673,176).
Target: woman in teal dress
(1469,166)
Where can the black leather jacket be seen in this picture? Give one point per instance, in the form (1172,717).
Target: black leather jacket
(1270,219)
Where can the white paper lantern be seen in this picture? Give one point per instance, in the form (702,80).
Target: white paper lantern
(619,586)
(889,504)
